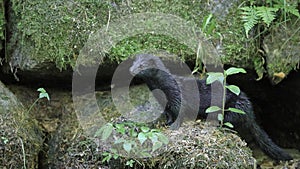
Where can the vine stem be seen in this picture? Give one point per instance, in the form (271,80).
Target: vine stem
(223,99)
(32,105)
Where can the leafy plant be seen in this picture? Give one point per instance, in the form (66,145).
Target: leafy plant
(221,77)
(43,94)
(208,28)
(133,138)
(208,25)
(252,15)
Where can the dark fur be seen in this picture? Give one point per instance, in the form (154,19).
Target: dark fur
(152,70)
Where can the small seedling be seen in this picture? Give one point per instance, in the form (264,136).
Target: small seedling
(43,94)
(221,77)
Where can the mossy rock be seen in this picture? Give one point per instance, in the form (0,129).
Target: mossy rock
(57,120)
(192,146)
(52,31)
(195,145)
(20,137)
(282,50)
(55,31)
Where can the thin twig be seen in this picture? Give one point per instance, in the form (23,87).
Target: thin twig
(24,155)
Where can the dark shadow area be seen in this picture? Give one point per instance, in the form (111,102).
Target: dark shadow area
(277,107)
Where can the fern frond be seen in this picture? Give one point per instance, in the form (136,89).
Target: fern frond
(287,7)
(267,14)
(249,17)
(292,9)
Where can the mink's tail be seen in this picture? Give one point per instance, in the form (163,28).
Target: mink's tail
(267,145)
(247,121)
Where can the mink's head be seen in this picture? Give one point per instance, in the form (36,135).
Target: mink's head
(146,65)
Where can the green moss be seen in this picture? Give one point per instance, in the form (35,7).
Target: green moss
(147,42)
(56,30)
(238,50)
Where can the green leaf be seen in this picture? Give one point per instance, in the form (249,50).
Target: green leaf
(107,157)
(211,28)
(214,76)
(293,10)
(105,131)
(259,63)
(156,145)
(115,156)
(287,8)
(43,93)
(234,89)
(249,17)
(41,90)
(212,109)
(145,129)
(206,21)
(195,70)
(155,130)
(130,163)
(228,125)
(234,70)
(208,24)
(163,138)
(267,14)
(142,137)
(236,110)
(133,133)
(153,138)
(120,128)
(146,155)
(220,117)
(127,146)
(120,125)
(120,140)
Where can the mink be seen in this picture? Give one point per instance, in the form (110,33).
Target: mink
(154,73)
